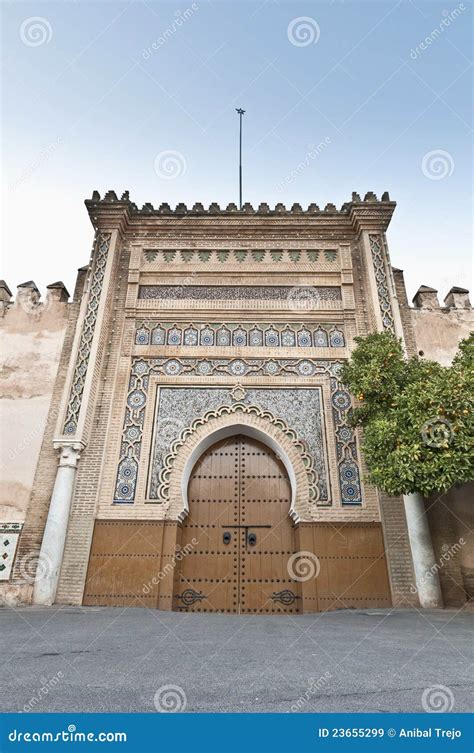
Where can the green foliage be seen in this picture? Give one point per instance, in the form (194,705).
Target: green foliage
(417,415)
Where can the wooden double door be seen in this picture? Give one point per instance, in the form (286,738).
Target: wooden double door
(238,537)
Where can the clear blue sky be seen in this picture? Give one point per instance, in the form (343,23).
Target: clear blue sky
(89,108)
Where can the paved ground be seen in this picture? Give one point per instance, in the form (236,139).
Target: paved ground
(102,659)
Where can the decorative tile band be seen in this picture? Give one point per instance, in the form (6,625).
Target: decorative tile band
(257,255)
(235,293)
(378,259)
(88,329)
(142,369)
(238,335)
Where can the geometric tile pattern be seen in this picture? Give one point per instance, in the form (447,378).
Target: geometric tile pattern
(88,328)
(376,247)
(9,535)
(234,334)
(298,407)
(143,368)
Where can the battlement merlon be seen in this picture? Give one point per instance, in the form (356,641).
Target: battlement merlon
(111,213)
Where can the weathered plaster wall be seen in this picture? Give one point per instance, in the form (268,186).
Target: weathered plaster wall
(31,343)
(439,331)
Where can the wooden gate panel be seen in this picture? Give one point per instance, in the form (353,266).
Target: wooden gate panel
(127,565)
(352,566)
(265,496)
(208,576)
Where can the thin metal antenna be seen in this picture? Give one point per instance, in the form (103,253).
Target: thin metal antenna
(241,112)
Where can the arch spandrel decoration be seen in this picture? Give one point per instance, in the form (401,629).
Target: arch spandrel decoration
(228,421)
(144,368)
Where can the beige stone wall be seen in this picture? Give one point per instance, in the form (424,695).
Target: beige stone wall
(439,331)
(32,340)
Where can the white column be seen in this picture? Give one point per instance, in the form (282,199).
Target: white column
(54,537)
(426,568)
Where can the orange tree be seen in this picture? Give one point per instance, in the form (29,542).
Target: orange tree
(416,415)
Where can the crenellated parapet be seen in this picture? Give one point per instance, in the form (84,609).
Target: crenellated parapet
(110,210)
(214,209)
(439,329)
(28,299)
(427,298)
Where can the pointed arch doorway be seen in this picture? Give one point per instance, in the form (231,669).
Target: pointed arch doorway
(238,536)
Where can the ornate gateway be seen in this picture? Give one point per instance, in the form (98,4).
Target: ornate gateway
(202,424)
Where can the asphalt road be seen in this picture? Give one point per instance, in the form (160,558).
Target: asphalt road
(104,659)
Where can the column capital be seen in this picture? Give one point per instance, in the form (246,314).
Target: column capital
(69,452)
